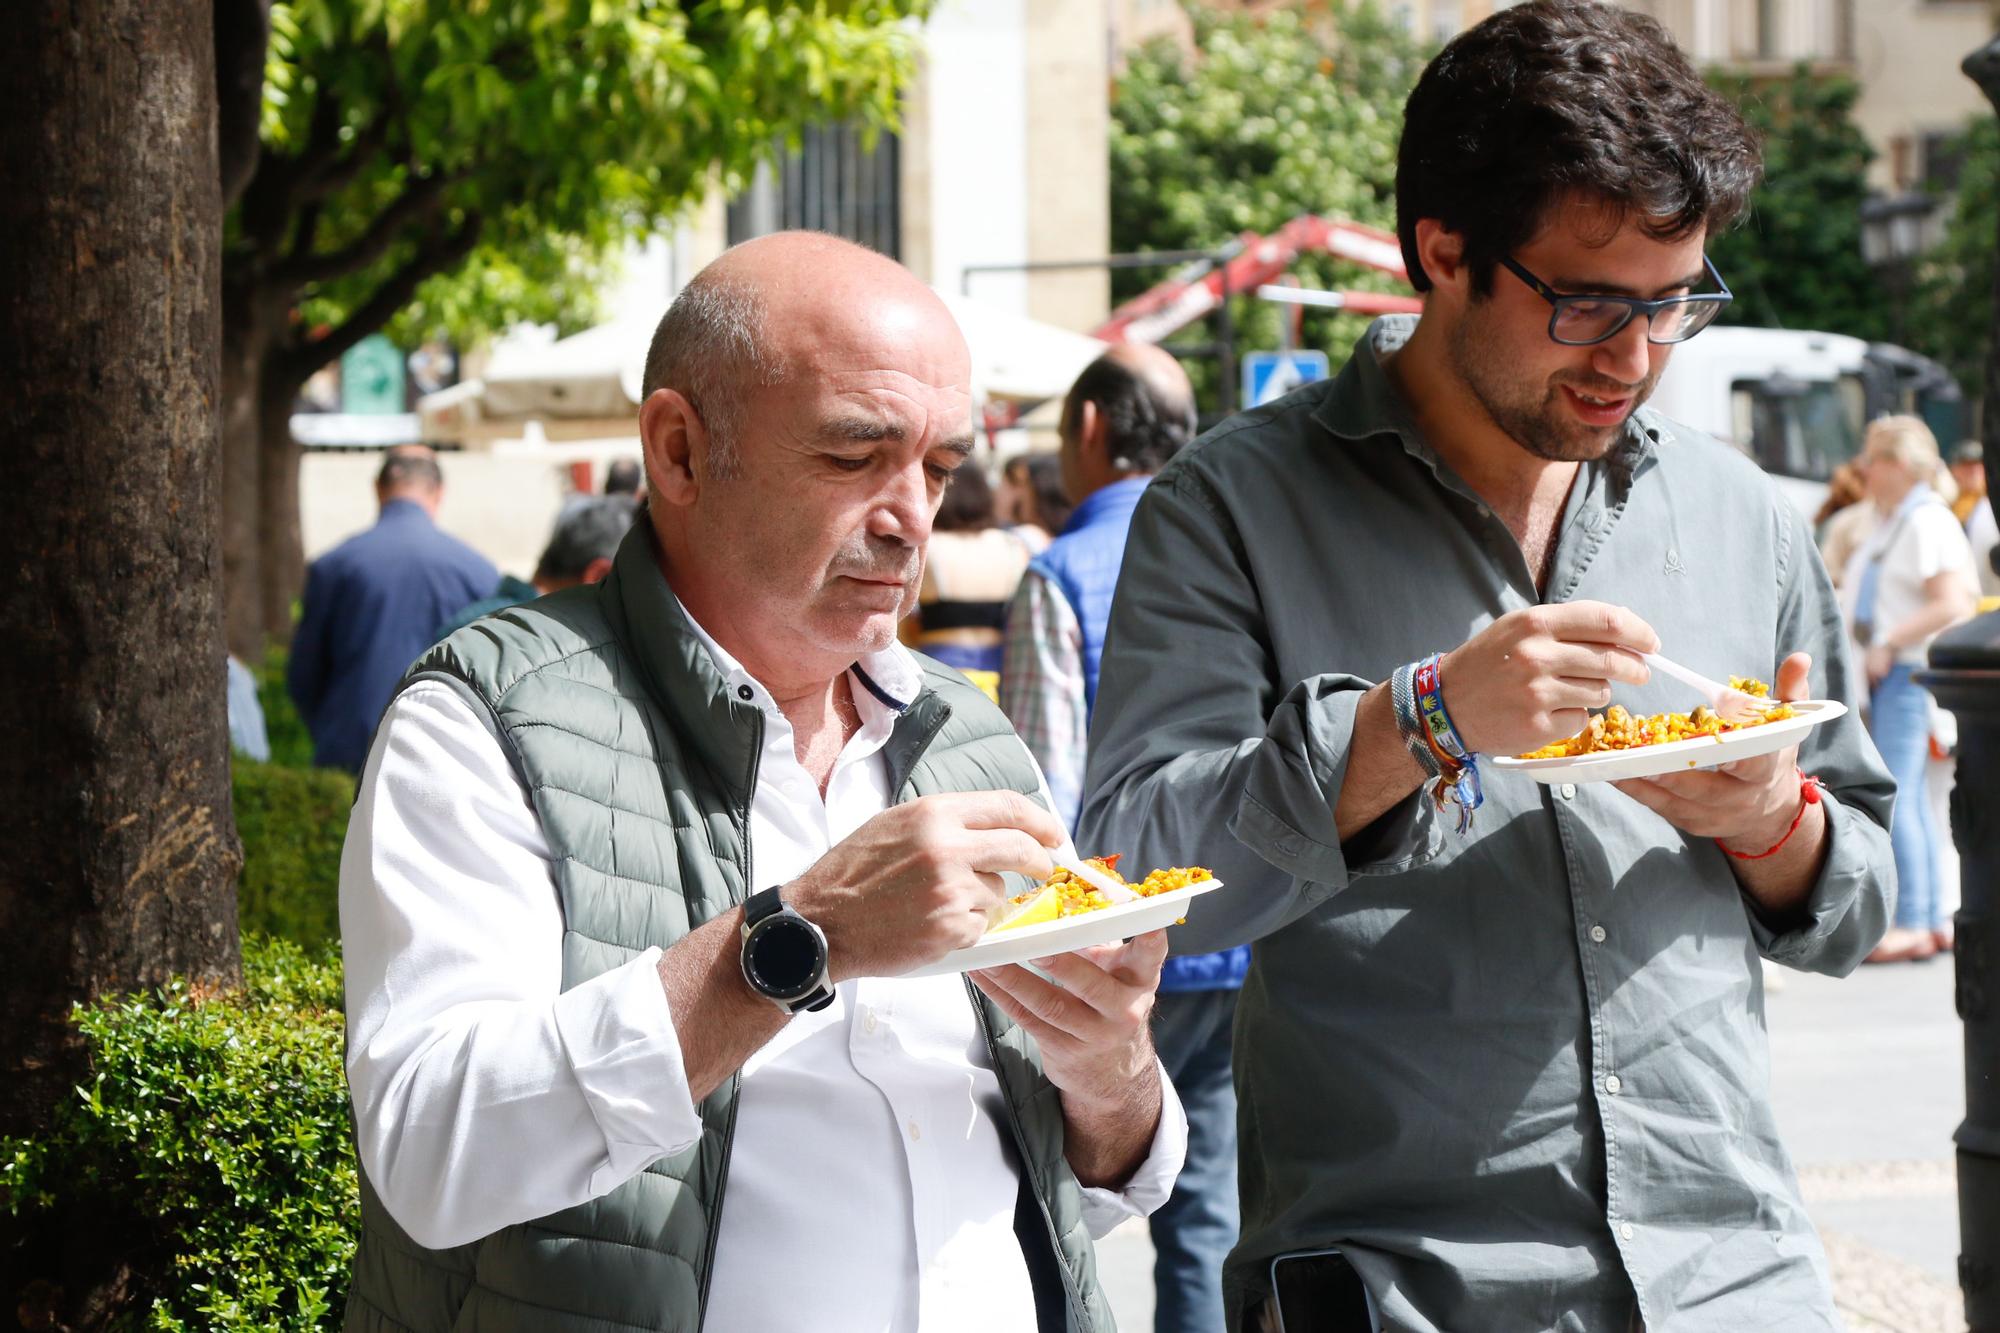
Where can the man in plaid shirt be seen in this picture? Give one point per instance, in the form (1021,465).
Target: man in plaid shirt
(1127,414)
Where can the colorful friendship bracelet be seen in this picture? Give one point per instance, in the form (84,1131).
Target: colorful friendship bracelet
(1417,694)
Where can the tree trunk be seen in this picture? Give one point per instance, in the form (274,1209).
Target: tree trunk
(121,854)
(281,560)
(244,350)
(263,556)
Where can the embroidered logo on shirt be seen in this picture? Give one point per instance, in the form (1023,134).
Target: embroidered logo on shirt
(1674,565)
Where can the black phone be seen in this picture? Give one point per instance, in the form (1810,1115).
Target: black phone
(1318,1291)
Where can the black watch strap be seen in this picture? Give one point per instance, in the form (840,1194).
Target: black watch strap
(759,907)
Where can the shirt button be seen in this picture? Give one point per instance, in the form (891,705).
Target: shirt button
(1612,1083)
(1596,937)
(743,692)
(869,1021)
(1567,791)
(916,1130)
(1625,1231)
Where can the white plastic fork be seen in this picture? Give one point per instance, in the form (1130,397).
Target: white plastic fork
(1097,879)
(1731,705)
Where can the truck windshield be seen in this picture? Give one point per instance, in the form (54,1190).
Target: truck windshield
(1796,428)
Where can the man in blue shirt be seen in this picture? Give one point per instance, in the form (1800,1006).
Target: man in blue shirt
(373,603)
(1128,413)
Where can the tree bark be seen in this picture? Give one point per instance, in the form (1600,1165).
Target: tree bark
(121,854)
(243,355)
(281,560)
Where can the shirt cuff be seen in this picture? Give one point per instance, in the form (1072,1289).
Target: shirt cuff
(1847,910)
(1287,810)
(1150,1185)
(619,1036)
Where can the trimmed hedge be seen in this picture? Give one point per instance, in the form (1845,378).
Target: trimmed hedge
(292,822)
(215,1126)
(291,743)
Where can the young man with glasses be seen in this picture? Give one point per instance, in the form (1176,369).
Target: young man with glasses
(1502,1047)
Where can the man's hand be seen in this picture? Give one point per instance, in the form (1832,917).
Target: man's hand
(1532,676)
(1748,805)
(1097,1047)
(921,879)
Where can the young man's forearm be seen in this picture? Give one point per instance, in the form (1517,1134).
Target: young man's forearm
(1381,772)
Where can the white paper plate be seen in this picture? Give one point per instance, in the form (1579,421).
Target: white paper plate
(1070,933)
(1678,756)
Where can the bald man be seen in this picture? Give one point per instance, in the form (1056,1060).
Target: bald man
(1128,413)
(637,872)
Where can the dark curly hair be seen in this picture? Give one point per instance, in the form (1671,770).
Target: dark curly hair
(1561,97)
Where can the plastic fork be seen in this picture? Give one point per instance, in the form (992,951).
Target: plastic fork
(1097,879)
(1731,705)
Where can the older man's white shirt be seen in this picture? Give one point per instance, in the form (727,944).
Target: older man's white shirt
(871,1185)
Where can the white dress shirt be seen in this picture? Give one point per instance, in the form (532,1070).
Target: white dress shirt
(871,1184)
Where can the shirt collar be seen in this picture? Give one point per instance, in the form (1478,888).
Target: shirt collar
(890,680)
(1361,402)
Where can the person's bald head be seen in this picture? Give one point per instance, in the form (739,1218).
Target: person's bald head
(773,307)
(806,401)
(410,472)
(1128,413)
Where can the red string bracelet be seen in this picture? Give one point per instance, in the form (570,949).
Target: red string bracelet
(1809,790)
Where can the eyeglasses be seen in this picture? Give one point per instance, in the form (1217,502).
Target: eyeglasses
(1582,321)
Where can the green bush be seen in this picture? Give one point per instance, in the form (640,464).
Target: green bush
(216,1127)
(292,822)
(291,743)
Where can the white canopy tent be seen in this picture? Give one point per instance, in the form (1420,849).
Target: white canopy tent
(586,387)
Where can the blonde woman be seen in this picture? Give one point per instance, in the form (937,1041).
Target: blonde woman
(1911,579)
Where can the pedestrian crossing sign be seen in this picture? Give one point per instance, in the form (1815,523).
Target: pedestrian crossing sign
(1268,376)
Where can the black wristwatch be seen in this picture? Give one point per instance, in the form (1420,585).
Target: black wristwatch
(784,955)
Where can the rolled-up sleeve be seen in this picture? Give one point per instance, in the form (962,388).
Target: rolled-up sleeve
(483,1093)
(1848,908)
(1200,754)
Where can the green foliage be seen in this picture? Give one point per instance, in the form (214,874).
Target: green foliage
(1952,317)
(1278,115)
(212,1142)
(1795,260)
(292,822)
(291,743)
(532,136)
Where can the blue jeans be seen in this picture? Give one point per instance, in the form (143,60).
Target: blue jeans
(1899,716)
(1196,1228)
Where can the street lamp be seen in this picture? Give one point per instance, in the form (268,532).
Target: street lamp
(1894,231)
(1964,674)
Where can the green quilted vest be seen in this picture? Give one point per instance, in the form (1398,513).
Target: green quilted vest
(641,768)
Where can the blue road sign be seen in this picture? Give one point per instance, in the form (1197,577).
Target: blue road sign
(1272,375)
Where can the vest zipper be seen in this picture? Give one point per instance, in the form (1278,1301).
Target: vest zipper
(735,1079)
(1076,1307)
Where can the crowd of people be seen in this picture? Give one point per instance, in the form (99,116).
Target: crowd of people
(649,845)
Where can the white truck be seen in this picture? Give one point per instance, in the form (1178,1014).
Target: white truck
(1797,401)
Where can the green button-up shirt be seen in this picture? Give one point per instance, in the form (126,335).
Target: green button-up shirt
(1519,1075)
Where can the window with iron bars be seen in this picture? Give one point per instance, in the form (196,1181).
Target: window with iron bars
(830,183)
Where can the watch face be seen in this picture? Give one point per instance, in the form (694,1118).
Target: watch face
(784,958)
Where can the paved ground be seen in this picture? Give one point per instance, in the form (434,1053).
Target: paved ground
(1867,1081)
